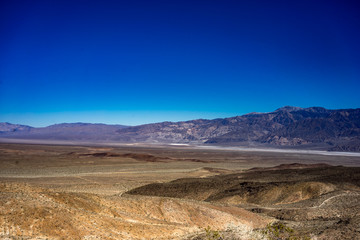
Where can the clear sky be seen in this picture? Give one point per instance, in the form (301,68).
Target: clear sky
(133,62)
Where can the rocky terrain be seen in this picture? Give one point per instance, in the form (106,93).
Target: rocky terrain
(52,192)
(37,213)
(173,192)
(316,128)
(287,127)
(318,200)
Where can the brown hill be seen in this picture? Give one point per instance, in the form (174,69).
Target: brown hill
(255,184)
(323,201)
(32,212)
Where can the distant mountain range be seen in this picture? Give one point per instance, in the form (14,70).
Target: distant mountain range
(287,127)
(63,131)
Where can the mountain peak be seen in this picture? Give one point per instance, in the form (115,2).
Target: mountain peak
(288,109)
(9,127)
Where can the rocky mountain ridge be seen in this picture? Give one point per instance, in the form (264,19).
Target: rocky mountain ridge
(8,127)
(313,127)
(288,127)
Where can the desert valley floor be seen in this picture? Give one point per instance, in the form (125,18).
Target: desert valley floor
(174,192)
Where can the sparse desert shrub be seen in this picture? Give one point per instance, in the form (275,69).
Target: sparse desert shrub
(213,234)
(279,231)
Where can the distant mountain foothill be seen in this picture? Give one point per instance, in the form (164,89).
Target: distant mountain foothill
(286,127)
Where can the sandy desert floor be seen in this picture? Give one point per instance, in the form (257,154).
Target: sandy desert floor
(82,192)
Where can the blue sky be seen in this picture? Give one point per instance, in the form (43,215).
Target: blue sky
(134,62)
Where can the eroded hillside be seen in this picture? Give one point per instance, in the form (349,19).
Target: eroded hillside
(79,192)
(31,212)
(320,200)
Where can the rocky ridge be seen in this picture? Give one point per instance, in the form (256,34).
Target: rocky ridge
(287,127)
(8,127)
